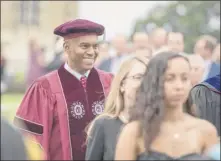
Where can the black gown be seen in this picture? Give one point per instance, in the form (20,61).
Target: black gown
(102,142)
(206,96)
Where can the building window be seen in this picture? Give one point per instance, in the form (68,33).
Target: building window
(24,10)
(29,12)
(35,12)
(67,11)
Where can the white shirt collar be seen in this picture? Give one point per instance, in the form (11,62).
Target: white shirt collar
(74,73)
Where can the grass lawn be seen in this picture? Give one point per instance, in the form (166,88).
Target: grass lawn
(9,104)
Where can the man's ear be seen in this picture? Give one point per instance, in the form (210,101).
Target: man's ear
(66,46)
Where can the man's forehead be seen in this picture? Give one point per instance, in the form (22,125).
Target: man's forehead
(159,31)
(140,35)
(86,39)
(201,42)
(175,35)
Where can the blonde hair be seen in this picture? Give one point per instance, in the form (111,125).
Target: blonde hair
(114,102)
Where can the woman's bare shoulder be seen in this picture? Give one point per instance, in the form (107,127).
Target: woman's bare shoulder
(207,127)
(203,125)
(208,133)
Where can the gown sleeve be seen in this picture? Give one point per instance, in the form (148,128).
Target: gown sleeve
(208,103)
(200,97)
(35,113)
(95,142)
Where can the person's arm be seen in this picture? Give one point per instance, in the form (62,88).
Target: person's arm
(95,142)
(127,147)
(35,114)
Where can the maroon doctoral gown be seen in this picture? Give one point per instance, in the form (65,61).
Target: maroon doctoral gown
(56,109)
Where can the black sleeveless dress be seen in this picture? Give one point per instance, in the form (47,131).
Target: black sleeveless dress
(152,155)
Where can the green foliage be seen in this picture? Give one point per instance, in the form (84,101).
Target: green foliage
(9,105)
(192,18)
(19,77)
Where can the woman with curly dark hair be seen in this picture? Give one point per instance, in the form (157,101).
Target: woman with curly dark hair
(160,128)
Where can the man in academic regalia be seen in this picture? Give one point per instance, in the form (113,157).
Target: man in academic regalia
(58,106)
(206,96)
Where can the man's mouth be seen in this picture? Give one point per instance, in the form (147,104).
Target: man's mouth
(89,60)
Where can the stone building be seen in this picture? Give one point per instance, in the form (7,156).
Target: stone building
(21,20)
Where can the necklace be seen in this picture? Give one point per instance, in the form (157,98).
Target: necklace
(176,135)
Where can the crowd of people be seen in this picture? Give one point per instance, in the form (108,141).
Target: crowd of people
(41,60)
(144,100)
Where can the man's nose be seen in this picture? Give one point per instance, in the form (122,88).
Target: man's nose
(91,51)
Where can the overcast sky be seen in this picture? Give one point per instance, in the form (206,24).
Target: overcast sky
(116,16)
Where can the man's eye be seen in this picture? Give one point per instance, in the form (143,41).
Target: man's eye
(85,46)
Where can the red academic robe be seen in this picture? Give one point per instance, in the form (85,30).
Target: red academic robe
(56,109)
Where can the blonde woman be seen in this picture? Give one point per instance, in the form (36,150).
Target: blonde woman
(103,131)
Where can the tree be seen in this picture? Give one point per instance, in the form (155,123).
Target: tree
(192,18)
